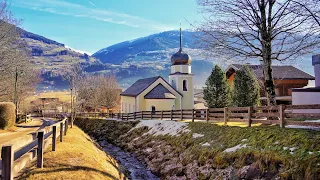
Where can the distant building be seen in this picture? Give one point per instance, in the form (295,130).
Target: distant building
(155,93)
(285,78)
(311,95)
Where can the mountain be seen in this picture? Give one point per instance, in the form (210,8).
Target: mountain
(53,59)
(153,47)
(150,56)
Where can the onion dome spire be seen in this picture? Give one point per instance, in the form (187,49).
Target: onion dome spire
(180,58)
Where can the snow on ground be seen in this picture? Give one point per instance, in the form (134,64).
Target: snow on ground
(196,135)
(305,127)
(239,146)
(206,144)
(163,127)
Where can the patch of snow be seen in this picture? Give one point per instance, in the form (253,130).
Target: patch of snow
(232,149)
(163,127)
(285,148)
(243,140)
(196,135)
(206,144)
(277,142)
(310,152)
(305,127)
(148,150)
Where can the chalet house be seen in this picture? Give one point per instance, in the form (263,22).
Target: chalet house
(285,79)
(155,93)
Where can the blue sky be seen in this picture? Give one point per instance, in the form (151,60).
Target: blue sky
(91,25)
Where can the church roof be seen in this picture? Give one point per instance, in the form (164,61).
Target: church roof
(139,86)
(159,92)
(142,84)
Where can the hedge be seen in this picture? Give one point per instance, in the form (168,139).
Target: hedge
(7,115)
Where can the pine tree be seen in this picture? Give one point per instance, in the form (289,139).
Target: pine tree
(217,91)
(246,91)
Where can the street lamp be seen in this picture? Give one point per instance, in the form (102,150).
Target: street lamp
(15,89)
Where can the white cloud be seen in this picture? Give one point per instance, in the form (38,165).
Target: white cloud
(92,3)
(62,7)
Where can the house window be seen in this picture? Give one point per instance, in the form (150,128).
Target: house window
(125,107)
(184,85)
(153,109)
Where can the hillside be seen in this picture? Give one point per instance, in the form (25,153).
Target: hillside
(150,56)
(154,47)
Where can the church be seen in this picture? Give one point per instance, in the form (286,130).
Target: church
(156,94)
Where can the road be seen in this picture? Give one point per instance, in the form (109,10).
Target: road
(23,129)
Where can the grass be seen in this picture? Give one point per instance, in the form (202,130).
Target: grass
(268,147)
(77,157)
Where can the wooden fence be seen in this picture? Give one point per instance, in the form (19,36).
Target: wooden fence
(12,161)
(281,114)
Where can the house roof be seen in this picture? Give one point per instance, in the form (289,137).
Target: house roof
(142,84)
(278,72)
(159,92)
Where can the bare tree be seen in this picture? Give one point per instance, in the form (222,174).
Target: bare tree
(73,76)
(264,30)
(100,90)
(18,77)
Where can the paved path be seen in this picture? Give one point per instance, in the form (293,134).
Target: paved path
(23,129)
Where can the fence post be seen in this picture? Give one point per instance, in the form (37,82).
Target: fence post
(40,149)
(127,116)
(249,116)
(161,115)
(134,116)
(225,116)
(7,162)
(192,115)
(151,112)
(282,117)
(207,115)
(65,127)
(181,113)
(54,137)
(121,116)
(171,115)
(61,132)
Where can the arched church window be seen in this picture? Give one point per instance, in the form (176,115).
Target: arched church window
(153,109)
(184,85)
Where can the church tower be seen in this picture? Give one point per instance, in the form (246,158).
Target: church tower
(181,77)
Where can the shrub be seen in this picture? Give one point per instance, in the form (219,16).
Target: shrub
(7,115)
(217,92)
(246,88)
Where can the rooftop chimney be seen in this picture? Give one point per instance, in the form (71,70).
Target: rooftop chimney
(316,64)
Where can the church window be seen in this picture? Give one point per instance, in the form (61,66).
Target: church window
(153,109)
(184,85)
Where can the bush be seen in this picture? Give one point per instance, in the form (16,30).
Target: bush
(246,91)
(217,91)
(7,115)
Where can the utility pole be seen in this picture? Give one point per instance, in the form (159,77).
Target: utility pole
(15,92)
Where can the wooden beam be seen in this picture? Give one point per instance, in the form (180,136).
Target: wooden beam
(7,162)
(40,149)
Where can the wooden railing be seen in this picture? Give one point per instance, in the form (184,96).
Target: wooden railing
(281,114)
(14,157)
